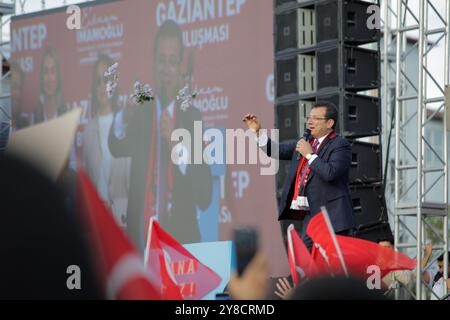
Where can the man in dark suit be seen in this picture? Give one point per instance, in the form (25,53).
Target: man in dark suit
(319,171)
(159,187)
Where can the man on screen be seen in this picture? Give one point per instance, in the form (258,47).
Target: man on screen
(158,187)
(319,171)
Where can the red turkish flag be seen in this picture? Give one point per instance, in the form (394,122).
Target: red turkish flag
(357,254)
(326,252)
(360,254)
(300,261)
(120,266)
(182,275)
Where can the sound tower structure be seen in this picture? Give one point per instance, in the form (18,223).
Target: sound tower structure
(325,51)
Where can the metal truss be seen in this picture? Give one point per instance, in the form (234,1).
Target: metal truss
(6,10)
(418,29)
(388,101)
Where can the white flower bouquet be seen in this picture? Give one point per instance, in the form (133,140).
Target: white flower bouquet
(186,97)
(142,93)
(113,78)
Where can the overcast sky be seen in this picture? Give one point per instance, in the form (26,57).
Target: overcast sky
(35,5)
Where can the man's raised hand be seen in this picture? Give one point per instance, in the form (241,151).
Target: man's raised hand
(252,122)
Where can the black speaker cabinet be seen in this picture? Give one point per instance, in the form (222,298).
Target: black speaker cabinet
(286,78)
(281,2)
(349,68)
(359,115)
(346,19)
(286,31)
(290,119)
(295,29)
(366,163)
(296,75)
(286,121)
(369,205)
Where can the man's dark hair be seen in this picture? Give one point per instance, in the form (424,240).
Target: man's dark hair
(95,103)
(441,257)
(331,113)
(169,30)
(439,274)
(387,239)
(51,53)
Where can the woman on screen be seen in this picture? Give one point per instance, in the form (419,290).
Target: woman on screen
(109,174)
(50,103)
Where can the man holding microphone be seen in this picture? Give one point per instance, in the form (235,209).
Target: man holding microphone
(319,171)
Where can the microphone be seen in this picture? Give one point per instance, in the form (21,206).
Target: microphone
(306,136)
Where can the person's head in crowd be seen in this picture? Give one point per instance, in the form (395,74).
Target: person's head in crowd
(50,75)
(101,104)
(440,261)
(40,240)
(17,82)
(335,288)
(322,118)
(168,57)
(387,242)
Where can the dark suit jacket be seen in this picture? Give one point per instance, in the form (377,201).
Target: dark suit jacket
(189,191)
(327,183)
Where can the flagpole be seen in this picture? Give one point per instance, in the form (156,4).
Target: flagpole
(333,236)
(291,247)
(149,238)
